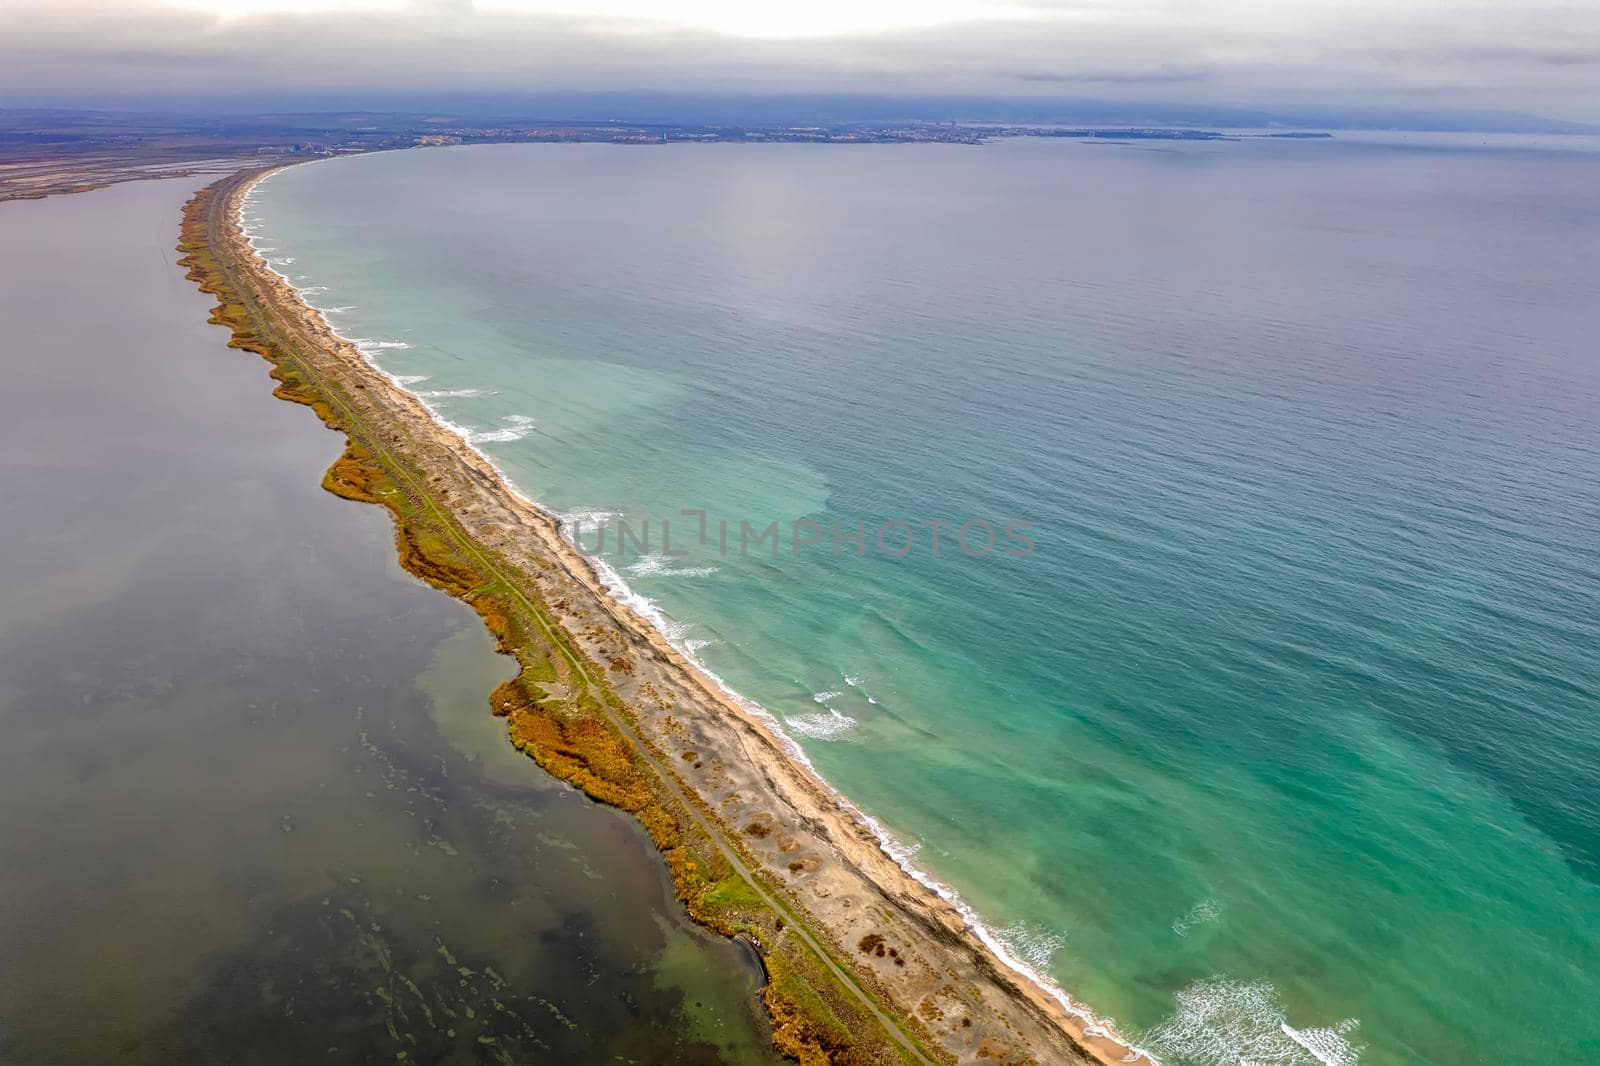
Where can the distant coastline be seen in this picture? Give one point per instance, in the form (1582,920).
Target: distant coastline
(757,843)
(49,159)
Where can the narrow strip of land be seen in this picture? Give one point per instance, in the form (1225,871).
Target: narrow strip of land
(353,425)
(866,963)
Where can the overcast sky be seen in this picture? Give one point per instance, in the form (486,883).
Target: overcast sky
(1524,55)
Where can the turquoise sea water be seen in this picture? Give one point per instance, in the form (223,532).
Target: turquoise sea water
(1280,745)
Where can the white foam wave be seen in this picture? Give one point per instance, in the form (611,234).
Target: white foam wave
(824,725)
(365,345)
(855,682)
(572,524)
(409,379)
(674,630)
(824,697)
(1225,1023)
(516,427)
(659,565)
(449,394)
(1329,1045)
(1032,944)
(1202,913)
(575,524)
(342,309)
(586,518)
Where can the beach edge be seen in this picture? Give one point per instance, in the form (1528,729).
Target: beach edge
(758,844)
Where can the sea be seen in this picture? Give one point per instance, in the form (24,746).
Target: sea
(1187,554)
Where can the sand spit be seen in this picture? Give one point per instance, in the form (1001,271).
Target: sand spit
(868,963)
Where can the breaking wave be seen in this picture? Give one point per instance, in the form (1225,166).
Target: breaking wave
(658,565)
(516,427)
(824,725)
(1203,913)
(449,394)
(1031,944)
(1225,1023)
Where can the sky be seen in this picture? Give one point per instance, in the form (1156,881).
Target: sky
(1534,56)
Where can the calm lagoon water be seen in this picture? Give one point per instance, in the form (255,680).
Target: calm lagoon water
(253,808)
(1281,744)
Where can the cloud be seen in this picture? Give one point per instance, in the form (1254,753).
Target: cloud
(1488,56)
(1105,77)
(1504,54)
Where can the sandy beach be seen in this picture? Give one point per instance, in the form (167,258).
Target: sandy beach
(608,703)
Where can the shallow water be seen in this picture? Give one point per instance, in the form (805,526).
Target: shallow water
(253,807)
(1280,744)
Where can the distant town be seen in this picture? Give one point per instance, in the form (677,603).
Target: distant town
(912,133)
(48,152)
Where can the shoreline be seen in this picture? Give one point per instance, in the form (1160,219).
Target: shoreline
(608,583)
(842,872)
